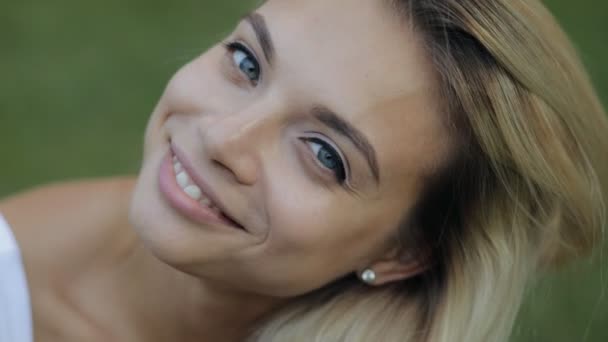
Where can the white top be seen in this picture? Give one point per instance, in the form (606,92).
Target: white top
(15,310)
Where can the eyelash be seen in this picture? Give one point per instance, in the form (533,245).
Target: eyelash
(340,173)
(236,46)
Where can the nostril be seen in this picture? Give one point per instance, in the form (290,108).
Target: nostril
(242,168)
(221,166)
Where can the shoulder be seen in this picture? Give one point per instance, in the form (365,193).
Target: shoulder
(60,195)
(69,233)
(61,228)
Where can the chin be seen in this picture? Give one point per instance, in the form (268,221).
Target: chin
(169,236)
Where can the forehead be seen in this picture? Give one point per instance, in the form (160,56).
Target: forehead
(365,63)
(348,40)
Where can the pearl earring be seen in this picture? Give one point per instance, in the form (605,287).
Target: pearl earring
(368,276)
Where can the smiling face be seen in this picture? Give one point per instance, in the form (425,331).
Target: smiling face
(313,126)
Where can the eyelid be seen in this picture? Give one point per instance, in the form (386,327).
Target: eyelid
(238,44)
(328,141)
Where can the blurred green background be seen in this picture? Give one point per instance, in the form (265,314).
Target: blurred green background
(79,78)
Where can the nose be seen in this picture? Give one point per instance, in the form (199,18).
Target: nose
(234,142)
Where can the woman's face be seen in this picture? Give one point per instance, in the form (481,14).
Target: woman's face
(312,126)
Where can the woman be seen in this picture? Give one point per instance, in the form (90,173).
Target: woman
(334,171)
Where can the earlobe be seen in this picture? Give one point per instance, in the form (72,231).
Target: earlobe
(391,270)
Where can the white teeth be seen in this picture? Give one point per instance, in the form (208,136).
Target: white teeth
(182,179)
(177,167)
(193,191)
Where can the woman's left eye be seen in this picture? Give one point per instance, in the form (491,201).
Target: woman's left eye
(245,61)
(328,157)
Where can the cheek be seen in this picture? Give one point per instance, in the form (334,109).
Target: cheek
(315,238)
(196,84)
(303,215)
(197,87)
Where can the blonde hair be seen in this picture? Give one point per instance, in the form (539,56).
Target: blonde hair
(521,191)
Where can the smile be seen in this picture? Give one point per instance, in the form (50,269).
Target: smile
(184,180)
(186,193)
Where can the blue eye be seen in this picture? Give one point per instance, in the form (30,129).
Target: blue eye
(245,61)
(328,157)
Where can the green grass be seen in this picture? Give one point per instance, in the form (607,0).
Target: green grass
(79,79)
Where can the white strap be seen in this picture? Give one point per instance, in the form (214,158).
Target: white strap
(15,310)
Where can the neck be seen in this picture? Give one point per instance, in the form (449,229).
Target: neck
(166,304)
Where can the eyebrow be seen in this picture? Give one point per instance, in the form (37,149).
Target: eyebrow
(258,23)
(332,120)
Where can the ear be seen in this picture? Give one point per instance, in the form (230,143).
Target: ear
(394,267)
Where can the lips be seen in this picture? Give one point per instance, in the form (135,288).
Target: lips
(186,192)
(184,180)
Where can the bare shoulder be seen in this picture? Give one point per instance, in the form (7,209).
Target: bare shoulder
(62,227)
(69,234)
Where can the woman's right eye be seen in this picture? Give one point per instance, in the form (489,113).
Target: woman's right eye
(244,60)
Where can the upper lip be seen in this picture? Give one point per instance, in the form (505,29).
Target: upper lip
(198,180)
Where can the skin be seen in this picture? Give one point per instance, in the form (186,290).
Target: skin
(100,271)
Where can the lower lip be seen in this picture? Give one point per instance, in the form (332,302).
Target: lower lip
(181,202)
